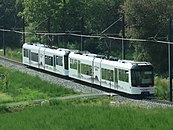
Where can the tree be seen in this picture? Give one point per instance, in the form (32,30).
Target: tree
(9,20)
(148,20)
(65,15)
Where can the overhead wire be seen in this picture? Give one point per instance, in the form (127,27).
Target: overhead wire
(87,36)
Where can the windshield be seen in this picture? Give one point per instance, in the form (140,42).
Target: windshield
(142,78)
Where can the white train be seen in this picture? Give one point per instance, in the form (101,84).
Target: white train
(126,76)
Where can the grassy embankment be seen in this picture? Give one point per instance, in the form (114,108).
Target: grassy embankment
(87,114)
(16,86)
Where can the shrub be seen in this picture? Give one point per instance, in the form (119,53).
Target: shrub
(161,89)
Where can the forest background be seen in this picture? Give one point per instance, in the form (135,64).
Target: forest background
(144,19)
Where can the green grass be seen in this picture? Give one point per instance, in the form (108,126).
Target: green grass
(87,115)
(15,54)
(17,86)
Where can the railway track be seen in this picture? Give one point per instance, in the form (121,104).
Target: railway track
(116,100)
(158,101)
(4,59)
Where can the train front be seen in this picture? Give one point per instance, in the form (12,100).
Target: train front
(142,79)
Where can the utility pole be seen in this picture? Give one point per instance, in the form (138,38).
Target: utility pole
(64,22)
(123,36)
(3,36)
(170,58)
(3,41)
(23,30)
(82,31)
(48,29)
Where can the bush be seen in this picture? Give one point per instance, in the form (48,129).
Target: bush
(161,89)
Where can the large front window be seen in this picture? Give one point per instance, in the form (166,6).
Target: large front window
(142,78)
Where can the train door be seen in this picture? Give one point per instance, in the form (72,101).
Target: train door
(66,61)
(41,58)
(92,72)
(54,62)
(29,51)
(79,68)
(115,78)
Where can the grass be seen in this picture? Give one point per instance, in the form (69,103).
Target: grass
(15,54)
(17,86)
(87,114)
(161,89)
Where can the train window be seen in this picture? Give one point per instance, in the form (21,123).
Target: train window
(73,64)
(142,78)
(34,56)
(86,69)
(59,60)
(107,74)
(124,75)
(49,60)
(26,53)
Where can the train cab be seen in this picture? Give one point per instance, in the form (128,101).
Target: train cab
(31,54)
(142,78)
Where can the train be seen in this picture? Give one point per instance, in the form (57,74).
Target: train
(126,76)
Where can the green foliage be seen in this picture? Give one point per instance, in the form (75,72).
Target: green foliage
(15,54)
(148,19)
(161,89)
(66,115)
(97,15)
(9,19)
(6,83)
(22,87)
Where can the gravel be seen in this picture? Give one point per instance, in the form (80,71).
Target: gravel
(140,103)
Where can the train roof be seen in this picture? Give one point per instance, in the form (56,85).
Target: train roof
(48,49)
(126,64)
(32,46)
(112,61)
(81,56)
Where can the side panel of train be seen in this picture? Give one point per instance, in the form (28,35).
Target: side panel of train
(115,76)
(45,58)
(81,67)
(111,74)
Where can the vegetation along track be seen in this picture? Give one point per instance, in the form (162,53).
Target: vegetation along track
(115,99)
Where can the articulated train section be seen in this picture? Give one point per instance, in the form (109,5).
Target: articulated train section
(130,77)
